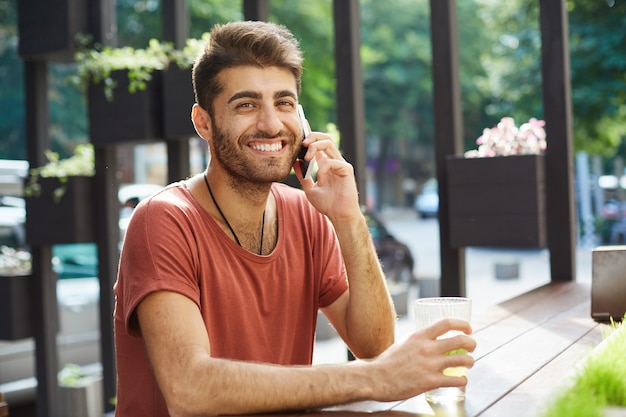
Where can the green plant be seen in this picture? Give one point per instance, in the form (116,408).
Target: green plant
(81,163)
(14,261)
(96,64)
(72,376)
(601,381)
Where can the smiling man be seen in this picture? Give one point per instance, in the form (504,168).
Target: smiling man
(222,275)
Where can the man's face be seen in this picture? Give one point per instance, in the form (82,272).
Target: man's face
(256,130)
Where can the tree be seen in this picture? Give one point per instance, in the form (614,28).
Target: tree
(397,59)
(597,40)
(598,73)
(312,24)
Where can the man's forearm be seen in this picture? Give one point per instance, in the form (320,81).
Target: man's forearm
(370,317)
(222,386)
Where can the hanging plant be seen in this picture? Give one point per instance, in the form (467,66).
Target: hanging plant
(81,163)
(96,64)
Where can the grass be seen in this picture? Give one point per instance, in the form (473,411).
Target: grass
(601,381)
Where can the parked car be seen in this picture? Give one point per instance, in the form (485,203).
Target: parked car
(427,201)
(396,258)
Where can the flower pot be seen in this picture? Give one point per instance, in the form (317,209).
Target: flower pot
(69,220)
(83,400)
(47,28)
(127,117)
(178,99)
(497,202)
(15,307)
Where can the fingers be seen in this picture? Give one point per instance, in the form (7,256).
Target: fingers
(321,142)
(448,325)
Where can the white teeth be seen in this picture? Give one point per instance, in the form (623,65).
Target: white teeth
(266,147)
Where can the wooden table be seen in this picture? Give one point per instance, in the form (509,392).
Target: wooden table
(527,347)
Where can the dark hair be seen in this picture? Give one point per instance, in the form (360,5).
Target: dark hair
(235,44)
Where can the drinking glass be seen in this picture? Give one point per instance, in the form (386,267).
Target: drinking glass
(430,310)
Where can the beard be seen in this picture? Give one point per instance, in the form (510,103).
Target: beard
(244,169)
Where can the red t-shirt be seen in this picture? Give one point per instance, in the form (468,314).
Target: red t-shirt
(255,308)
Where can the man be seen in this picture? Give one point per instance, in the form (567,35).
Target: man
(221,275)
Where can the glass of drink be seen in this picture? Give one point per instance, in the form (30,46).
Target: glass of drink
(430,310)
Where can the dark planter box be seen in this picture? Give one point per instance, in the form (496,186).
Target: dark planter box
(47,28)
(497,202)
(70,220)
(178,99)
(128,117)
(15,307)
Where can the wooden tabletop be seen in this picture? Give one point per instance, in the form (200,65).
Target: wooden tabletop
(527,348)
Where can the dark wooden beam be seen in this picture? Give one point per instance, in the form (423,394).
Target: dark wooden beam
(103,24)
(175,21)
(448,132)
(108,237)
(175,18)
(45,314)
(555,65)
(350,101)
(256,10)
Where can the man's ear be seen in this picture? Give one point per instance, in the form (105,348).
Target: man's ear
(201,121)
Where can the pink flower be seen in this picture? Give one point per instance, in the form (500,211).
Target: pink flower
(507,139)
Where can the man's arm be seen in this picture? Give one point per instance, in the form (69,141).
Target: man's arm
(195,384)
(364,316)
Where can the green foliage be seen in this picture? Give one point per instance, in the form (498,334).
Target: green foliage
(312,24)
(204,14)
(96,65)
(598,71)
(72,376)
(600,382)
(81,163)
(597,38)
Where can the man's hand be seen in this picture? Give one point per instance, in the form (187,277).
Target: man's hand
(334,194)
(416,364)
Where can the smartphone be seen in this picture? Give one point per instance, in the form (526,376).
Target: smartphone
(307,167)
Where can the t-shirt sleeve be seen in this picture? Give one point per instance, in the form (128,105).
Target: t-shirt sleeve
(156,256)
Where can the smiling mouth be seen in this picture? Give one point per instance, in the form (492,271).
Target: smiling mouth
(268,147)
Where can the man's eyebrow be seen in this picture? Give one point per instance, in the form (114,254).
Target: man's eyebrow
(257,96)
(285,93)
(244,94)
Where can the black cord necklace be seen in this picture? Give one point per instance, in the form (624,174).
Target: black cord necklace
(206,181)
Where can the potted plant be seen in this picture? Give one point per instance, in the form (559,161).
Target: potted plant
(138,95)
(60,199)
(496,193)
(81,395)
(598,386)
(47,28)
(16,283)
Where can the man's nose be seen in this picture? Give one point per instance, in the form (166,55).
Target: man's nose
(269,122)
